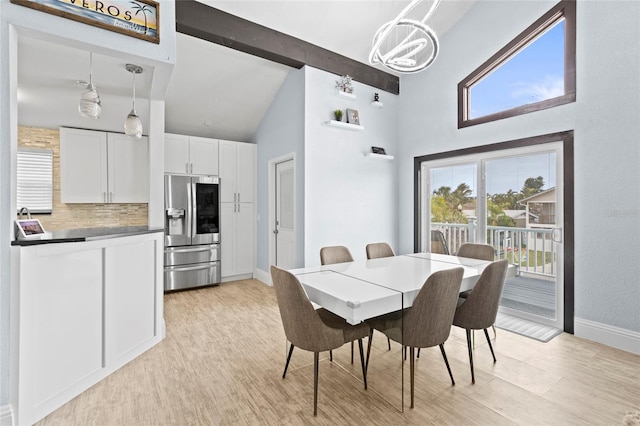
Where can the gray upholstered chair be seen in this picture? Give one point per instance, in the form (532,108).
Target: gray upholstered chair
(378,250)
(310,329)
(477,251)
(438,243)
(479,310)
(337,254)
(427,322)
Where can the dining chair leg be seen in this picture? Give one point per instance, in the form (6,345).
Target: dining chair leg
(364,369)
(486,334)
(316,363)
(495,334)
(352,352)
(473,379)
(286,365)
(366,365)
(411,371)
(331,356)
(389,343)
(418,356)
(446,361)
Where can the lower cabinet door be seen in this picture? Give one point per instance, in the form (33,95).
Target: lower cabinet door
(129,297)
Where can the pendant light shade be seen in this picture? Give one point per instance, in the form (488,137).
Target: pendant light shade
(89,105)
(133,124)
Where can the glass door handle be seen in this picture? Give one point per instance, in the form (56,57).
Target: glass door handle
(556,235)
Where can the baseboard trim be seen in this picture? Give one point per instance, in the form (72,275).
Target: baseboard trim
(6,415)
(616,337)
(263,276)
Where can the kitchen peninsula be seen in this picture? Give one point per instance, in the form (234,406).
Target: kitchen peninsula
(87,301)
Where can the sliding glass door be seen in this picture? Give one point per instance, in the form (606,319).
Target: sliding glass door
(511,200)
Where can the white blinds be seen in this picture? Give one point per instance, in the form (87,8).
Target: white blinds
(35,180)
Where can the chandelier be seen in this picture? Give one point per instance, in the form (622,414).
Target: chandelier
(406,53)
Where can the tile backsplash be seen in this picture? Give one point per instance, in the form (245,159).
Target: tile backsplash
(68,216)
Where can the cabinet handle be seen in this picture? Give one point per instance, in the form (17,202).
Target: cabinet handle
(234,207)
(191,170)
(111,197)
(238,205)
(238,197)
(104,197)
(186,167)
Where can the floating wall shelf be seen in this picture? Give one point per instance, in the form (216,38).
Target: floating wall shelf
(343,125)
(379,156)
(345,94)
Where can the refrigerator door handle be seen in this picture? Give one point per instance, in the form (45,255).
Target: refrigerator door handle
(194,209)
(189,212)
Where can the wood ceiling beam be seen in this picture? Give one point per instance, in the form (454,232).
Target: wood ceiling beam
(207,23)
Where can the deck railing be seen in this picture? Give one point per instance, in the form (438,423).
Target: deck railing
(532,249)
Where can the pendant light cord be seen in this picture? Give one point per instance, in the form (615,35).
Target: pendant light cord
(134,91)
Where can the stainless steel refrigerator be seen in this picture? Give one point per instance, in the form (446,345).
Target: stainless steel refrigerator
(192,231)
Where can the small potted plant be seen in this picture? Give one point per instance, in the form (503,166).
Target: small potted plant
(338,114)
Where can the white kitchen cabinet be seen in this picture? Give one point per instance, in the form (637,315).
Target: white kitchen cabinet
(128,169)
(236,238)
(237,217)
(82,311)
(190,155)
(100,167)
(237,171)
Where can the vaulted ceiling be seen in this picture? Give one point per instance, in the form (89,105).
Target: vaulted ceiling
(214,91)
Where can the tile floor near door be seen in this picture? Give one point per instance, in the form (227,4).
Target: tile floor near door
(221,364)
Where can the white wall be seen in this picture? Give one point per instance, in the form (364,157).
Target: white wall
(17,21)
(281,132)
(606,124)
(350,199)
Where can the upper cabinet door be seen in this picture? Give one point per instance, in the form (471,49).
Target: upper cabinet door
(83,166)
(245,160)
(237,171)
(227,171)
(128,169)
(176,154)
(204,156)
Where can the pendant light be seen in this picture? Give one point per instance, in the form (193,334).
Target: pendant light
(89,105)
(133,124)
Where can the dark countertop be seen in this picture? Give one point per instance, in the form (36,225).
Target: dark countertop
(87,234)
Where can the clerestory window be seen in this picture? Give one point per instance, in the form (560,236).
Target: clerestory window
(534,71)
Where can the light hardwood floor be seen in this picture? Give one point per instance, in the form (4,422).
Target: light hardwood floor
(221,364)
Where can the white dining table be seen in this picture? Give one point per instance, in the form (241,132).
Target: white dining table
(363,289)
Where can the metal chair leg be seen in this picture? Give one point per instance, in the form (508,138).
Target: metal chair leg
(389,343)
(486,334)
(412,370)
(473,379)
(366,365)
(352,352)
(316,363)
(286,365)
(446,361)
(331,356)
(364,369)
(418,356)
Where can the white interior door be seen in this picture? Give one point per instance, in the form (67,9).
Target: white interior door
(284,227)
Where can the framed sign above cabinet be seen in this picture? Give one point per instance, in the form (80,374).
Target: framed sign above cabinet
(139,18)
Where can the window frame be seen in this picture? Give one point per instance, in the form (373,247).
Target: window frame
(565,9)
